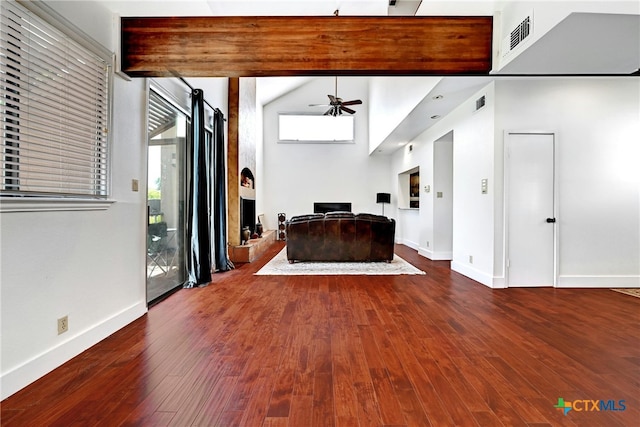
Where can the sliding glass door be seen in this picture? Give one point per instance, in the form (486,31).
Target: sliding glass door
(166,197)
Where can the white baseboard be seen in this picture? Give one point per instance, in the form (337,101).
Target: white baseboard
(435,256)
(499,282)
(23,375)
(427,253)
(409,243)
(472,273)
(598,282)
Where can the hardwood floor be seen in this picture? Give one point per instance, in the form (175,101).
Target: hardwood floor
(433,350)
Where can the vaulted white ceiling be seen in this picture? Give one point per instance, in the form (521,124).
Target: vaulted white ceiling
(582,43)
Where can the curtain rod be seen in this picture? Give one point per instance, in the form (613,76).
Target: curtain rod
(205,101)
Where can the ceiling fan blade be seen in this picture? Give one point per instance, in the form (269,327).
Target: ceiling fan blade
(332,99)
(319,105)
(348,110)
(354,102)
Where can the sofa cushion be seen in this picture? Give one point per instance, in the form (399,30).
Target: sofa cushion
(372,217)
(339,214)
(307,217)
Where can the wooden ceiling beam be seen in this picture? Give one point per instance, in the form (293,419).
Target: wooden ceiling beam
(285,46)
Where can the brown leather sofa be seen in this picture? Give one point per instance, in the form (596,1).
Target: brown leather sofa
(340,236)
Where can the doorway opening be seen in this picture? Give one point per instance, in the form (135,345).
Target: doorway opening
(442,247)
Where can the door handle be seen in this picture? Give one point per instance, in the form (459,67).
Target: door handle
(551,220)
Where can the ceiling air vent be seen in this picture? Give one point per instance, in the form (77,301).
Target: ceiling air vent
(480,102)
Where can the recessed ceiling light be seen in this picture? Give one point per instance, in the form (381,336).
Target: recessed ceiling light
(438,97)
(435,116)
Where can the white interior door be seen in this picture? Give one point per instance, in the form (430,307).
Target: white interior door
(530,209)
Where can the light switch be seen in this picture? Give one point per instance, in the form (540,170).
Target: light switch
(439,194)
(427,189)
(485,186)
(134,185)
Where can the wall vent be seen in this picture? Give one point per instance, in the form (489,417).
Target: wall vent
(518,34)
(480,102)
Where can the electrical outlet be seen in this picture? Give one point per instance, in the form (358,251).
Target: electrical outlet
(135,185)
(470,259)
(63,324)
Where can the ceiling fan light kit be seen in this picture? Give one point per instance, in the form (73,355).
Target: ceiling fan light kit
(337,105)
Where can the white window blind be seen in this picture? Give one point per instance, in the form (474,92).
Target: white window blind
(54,109)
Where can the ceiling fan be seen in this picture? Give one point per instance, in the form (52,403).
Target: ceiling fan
(337,105)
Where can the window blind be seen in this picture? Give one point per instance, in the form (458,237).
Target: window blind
(162,115)
(54,106)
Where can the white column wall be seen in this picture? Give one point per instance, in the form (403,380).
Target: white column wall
(473,160)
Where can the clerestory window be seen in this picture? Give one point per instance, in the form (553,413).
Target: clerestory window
(301,128)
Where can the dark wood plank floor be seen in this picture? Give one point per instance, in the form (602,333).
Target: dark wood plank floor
(433,350)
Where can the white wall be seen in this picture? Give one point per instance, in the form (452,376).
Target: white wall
(597,123)
(89,265)
(297,175)
(408,227)
(473,212)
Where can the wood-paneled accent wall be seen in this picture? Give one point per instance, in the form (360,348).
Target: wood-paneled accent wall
(281,46)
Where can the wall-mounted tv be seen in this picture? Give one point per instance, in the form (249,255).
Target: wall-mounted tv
(324,207)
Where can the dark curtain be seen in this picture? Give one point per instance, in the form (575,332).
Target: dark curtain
(199,173)
(206,174)
(222,261)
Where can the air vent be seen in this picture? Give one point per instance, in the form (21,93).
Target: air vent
(480,102)
(518,34)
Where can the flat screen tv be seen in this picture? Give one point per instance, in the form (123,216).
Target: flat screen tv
(324,207)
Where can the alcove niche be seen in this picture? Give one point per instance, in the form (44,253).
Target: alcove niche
(247,200)
(409,189)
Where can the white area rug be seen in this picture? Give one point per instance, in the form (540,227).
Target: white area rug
(634,292)
(280,266)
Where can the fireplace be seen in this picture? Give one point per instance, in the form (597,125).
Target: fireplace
(247,214)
